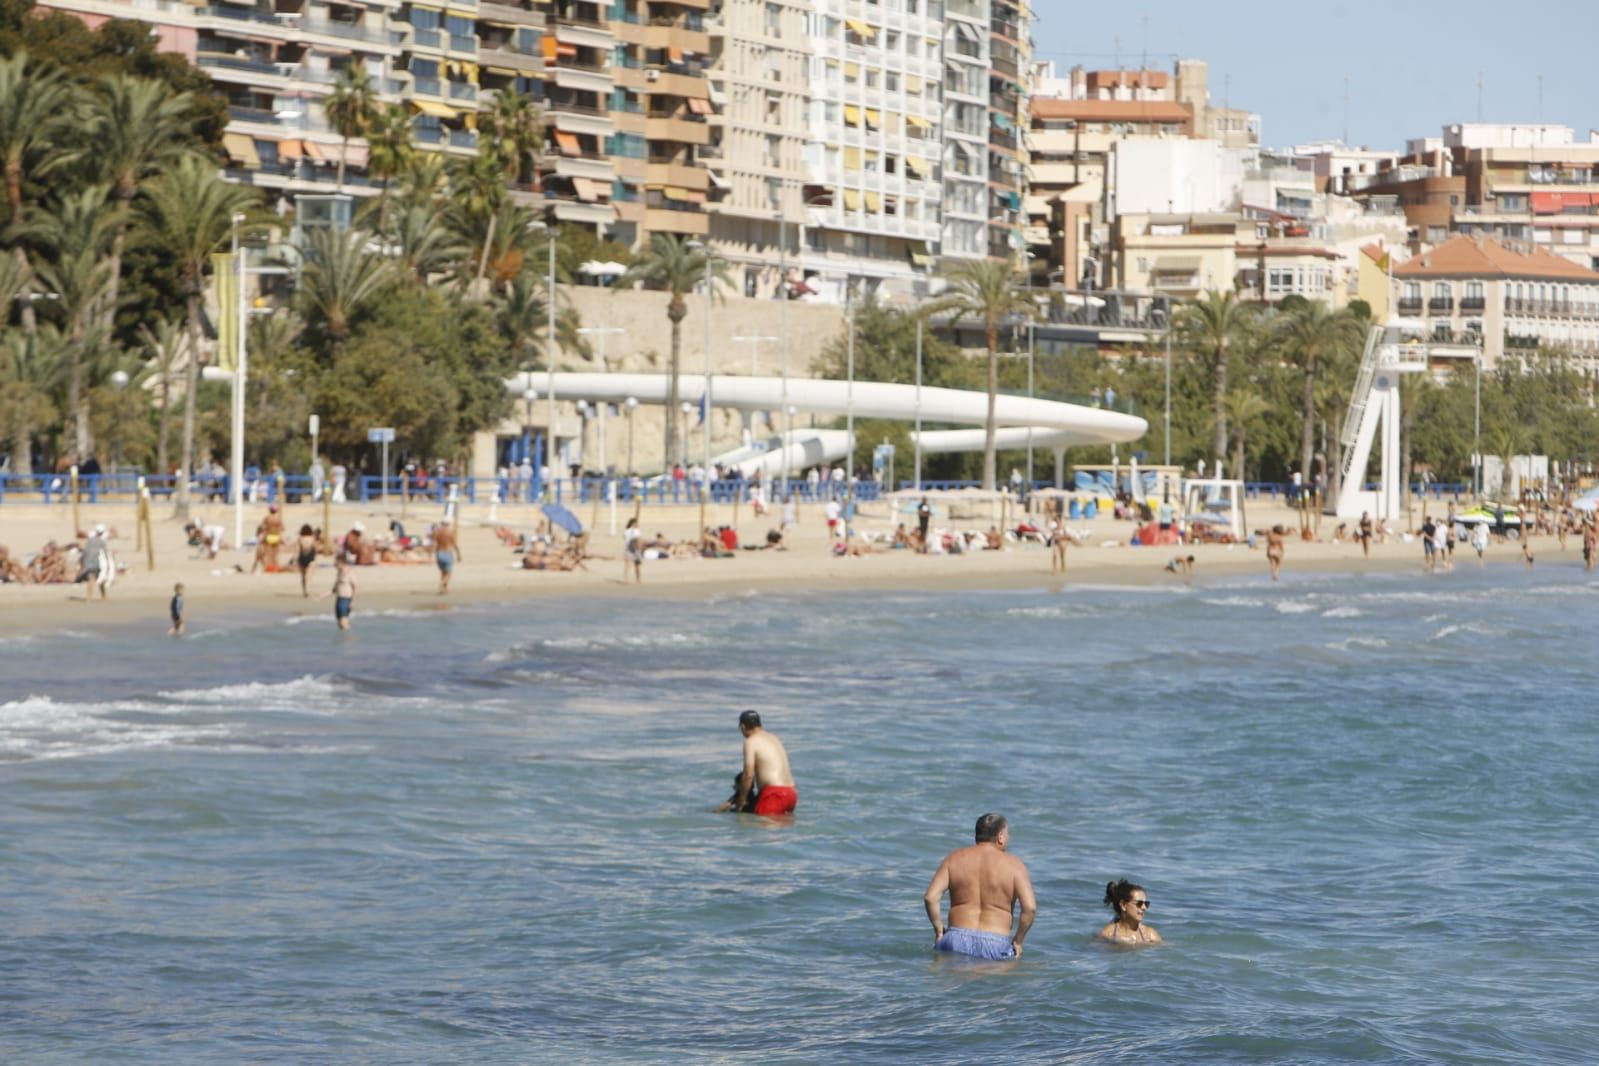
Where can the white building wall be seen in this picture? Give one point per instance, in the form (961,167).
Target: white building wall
(1174,176)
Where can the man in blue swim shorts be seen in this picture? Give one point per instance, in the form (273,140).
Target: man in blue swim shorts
(985,886)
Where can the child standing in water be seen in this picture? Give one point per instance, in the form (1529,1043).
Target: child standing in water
(343,592)
(177,611)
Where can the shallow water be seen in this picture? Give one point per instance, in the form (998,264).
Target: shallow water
(1363,808)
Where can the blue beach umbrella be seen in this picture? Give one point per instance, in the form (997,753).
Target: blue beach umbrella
(560,516)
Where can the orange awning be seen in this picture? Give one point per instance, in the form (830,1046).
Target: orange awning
(289,150)
(586,189)
(313,150)
(674,54)
(699,107)
(547,46)
(568,143)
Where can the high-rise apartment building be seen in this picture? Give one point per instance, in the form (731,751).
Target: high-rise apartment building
(872,156)
(964,230)
(438,69)
(1010,60)
(760,85)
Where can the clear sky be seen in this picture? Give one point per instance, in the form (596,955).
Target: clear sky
(1412,65)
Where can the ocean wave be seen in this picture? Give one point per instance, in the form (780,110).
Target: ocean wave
(1343,612)
(1233,601)
(1351,643)
(39,727)
(1293,607)
(600,643)
(301,690)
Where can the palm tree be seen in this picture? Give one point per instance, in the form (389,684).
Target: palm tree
(523,318)
(79,234)
(391,147)
(424,245)
(39,110)
(514,129)
(675,266)
(138,126)
(477,195)
(342,275)
(30,364)
(1309,334)
(1210,327)
(1506,439)
(350,108)
(166,345)
(1245,410)
(991,291)
(187,211)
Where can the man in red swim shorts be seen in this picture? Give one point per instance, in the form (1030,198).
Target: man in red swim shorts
(765,764)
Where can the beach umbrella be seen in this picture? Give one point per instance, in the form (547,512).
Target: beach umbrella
(560,516)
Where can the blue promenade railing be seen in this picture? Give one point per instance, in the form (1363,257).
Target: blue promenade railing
(296,488)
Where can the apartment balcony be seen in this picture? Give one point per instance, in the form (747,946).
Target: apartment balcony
(289,26)
(673,35)
(584,33)
(464,43)
(584,79)
(682,130)
(694,222)
(595,214)
(504,57)
(1441,305)
(463,92)
(672,83)
(580,118)
(509,14)
(682,175)
(1410,308)
(591,165)
(1472,303)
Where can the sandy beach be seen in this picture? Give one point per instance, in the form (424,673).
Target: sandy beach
(490,572)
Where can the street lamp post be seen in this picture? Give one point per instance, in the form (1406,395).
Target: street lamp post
(1168,395)
(632,406)
(603,332)
(686,408)
(549,386)
(529,396)
(1031,353)
(918,403)
(1476,429)
(849,417)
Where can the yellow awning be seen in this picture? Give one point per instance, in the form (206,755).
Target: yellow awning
(852,159)
(852,115)
(428,107)
(504,72)
(862,28)
(915,166)
(241,148)
(874,201)
(874,117)
(852,70)
(852,199)
(672,192)
(912,84)
(918,121)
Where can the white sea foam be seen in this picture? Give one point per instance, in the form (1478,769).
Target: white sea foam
(1234,601)
(1351,643)
(1037,612)
(39,727)
(299,691)
(1343,612)
(1293,607)
(1464,627)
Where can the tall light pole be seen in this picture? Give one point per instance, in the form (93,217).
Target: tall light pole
(1168,394)
(603,332)
(530,395)
(1476,430)
(549,385)
(1031,353)
(849,415)
(240,376)
(632,407)
(918,441)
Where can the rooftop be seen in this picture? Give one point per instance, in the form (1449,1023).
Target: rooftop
(1476,257)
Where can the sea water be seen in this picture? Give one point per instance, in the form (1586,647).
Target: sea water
(1363,807)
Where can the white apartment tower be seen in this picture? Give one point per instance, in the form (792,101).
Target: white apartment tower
(965,129)
(872,185)
(759,83)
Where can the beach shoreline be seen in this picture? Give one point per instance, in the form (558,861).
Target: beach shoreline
(488,572)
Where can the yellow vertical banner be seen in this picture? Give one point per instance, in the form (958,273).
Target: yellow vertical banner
(226,278)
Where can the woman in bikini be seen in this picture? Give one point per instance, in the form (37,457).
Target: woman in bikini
(1131,905)
(304,557)
(1274,550)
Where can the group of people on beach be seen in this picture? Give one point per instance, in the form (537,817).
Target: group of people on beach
(991,902)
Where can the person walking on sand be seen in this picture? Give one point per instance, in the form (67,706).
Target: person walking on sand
(986,885)
(96,558)
(924,515)
(446,553)
(1130,903)
(1057,545)
(633,552)
(304,557)
(269,534)
(766,768)
(1365,534)
(176,610)
(1479,539)
(1274,550)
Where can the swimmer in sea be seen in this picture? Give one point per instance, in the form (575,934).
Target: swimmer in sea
(1131,904)
(985,885)
(1274,550)
(766,766)
(751,798)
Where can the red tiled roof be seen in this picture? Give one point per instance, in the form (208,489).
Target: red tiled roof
(1112,110)
(1467,257)
(1376,253)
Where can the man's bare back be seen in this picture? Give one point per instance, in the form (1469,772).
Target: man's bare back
(765,756)
(985,886)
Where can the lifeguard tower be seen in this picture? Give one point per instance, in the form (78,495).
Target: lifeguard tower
(1375,405)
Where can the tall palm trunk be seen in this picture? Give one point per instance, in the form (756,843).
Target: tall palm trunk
(675,313)
(1238,453)
(989,423)
(192,380)
(22,449)
(164,430)
(30,322)
(1335,462)
(1307,431)
(1219,440)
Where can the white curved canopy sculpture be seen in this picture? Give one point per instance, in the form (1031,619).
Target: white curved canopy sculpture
(1068,424)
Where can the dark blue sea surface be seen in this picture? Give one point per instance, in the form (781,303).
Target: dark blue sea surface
(1364,808)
